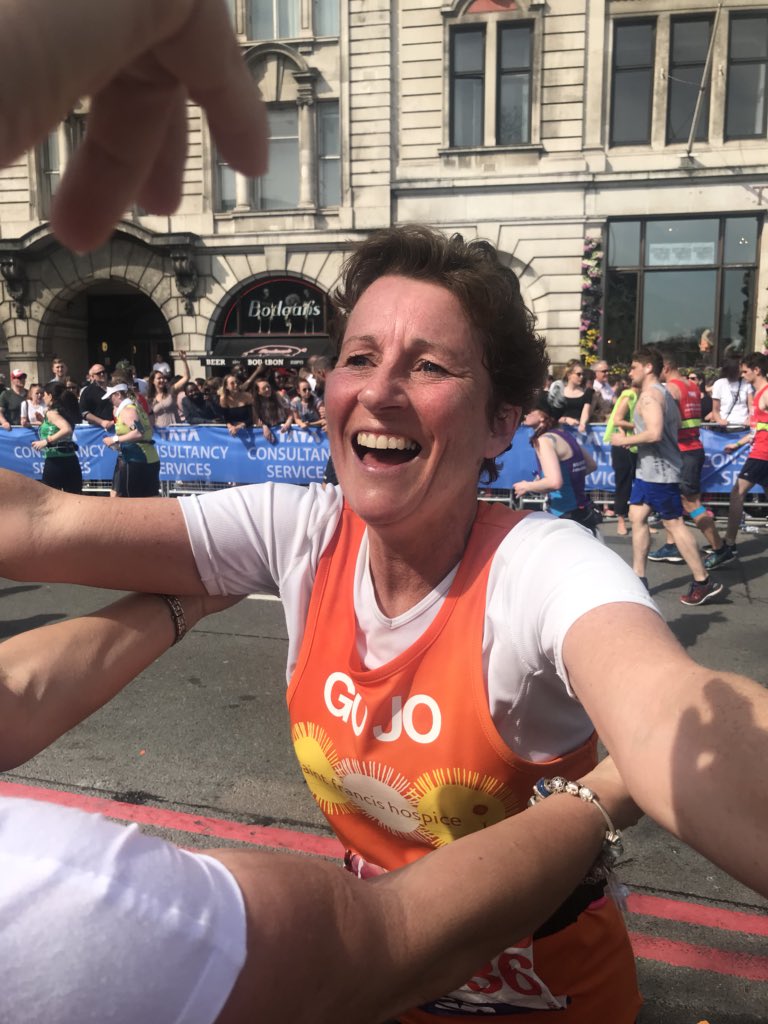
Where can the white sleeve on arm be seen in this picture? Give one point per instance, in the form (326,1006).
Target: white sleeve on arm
(546,574)
(103,923)
(247,540)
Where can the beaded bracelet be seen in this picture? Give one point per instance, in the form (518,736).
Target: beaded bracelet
(177,614)
(612,848)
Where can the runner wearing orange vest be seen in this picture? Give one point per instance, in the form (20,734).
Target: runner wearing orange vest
(401,760)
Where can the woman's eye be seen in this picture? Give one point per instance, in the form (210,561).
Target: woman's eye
(427,366)
(356,360)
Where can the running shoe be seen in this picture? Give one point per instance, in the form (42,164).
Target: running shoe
(724,554)
(700,593)
(666,553)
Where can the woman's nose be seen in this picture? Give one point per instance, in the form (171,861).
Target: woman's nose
(383,388)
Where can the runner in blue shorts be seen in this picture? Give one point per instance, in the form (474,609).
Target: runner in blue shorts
(657,482)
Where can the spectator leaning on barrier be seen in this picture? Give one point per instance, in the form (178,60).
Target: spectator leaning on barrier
(11,399)
(236,405)
(569,398)
(33,408)
(602,382)
(307,410)
(754,370)
(196,408)
(599,406)
(95,409)
(270,412)
(731,396)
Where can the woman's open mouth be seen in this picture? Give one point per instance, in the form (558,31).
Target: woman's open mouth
(385,449)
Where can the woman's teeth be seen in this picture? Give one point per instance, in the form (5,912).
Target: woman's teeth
(386,441)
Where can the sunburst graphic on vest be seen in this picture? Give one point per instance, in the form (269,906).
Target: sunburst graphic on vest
(454,802)
(382,793)
(318,760)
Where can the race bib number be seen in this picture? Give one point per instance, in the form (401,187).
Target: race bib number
(507,984)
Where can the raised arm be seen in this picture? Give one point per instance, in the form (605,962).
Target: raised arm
(183,380)
(126,544)
(686,739)
(55,676)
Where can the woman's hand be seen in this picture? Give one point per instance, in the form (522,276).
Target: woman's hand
(522,487)
(268,434)
(233,428)
(138,61)
(39,445)
(110,442)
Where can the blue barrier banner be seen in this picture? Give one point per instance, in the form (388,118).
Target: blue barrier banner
(202,454)
(211,455)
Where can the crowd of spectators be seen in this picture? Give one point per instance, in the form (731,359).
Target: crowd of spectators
(274,399)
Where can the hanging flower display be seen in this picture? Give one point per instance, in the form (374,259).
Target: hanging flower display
(591,299)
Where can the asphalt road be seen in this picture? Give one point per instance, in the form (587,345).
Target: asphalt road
(199,744)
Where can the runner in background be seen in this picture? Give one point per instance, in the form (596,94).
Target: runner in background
(687,394)
(657,482)
(564,469)
(623,460)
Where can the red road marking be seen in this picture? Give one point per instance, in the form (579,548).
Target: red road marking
(180,821)
(648,947)
(700,958)
(696,913)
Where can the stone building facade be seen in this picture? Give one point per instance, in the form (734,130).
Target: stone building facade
(615,151)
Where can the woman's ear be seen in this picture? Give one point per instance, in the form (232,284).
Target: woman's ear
(505,422)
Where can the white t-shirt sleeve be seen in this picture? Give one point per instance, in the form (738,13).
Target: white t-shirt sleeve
(248,540)
(546,574)
(103,923)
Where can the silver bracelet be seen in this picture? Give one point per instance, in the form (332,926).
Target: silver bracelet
(613,847)
(177,614)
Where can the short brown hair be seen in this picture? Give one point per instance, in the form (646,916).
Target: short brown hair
(489,292)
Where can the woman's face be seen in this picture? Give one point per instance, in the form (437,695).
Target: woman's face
(47,399)
(534,418)
(407,408)
(264,388)
(160,380)
(576,376)
(304,390)
(230,383)
(35,395)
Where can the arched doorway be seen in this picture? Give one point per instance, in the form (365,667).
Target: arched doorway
(125,324)
(104,322)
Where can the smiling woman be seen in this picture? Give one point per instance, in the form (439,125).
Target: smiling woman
(438,653)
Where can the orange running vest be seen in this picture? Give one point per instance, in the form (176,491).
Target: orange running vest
(405,758)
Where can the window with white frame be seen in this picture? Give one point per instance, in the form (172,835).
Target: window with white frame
(329,153)
(52,156)
(280,188)
(286,19)
(745,116)
(492,84)
(665,88)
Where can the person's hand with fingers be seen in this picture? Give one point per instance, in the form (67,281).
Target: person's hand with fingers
(138,61)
